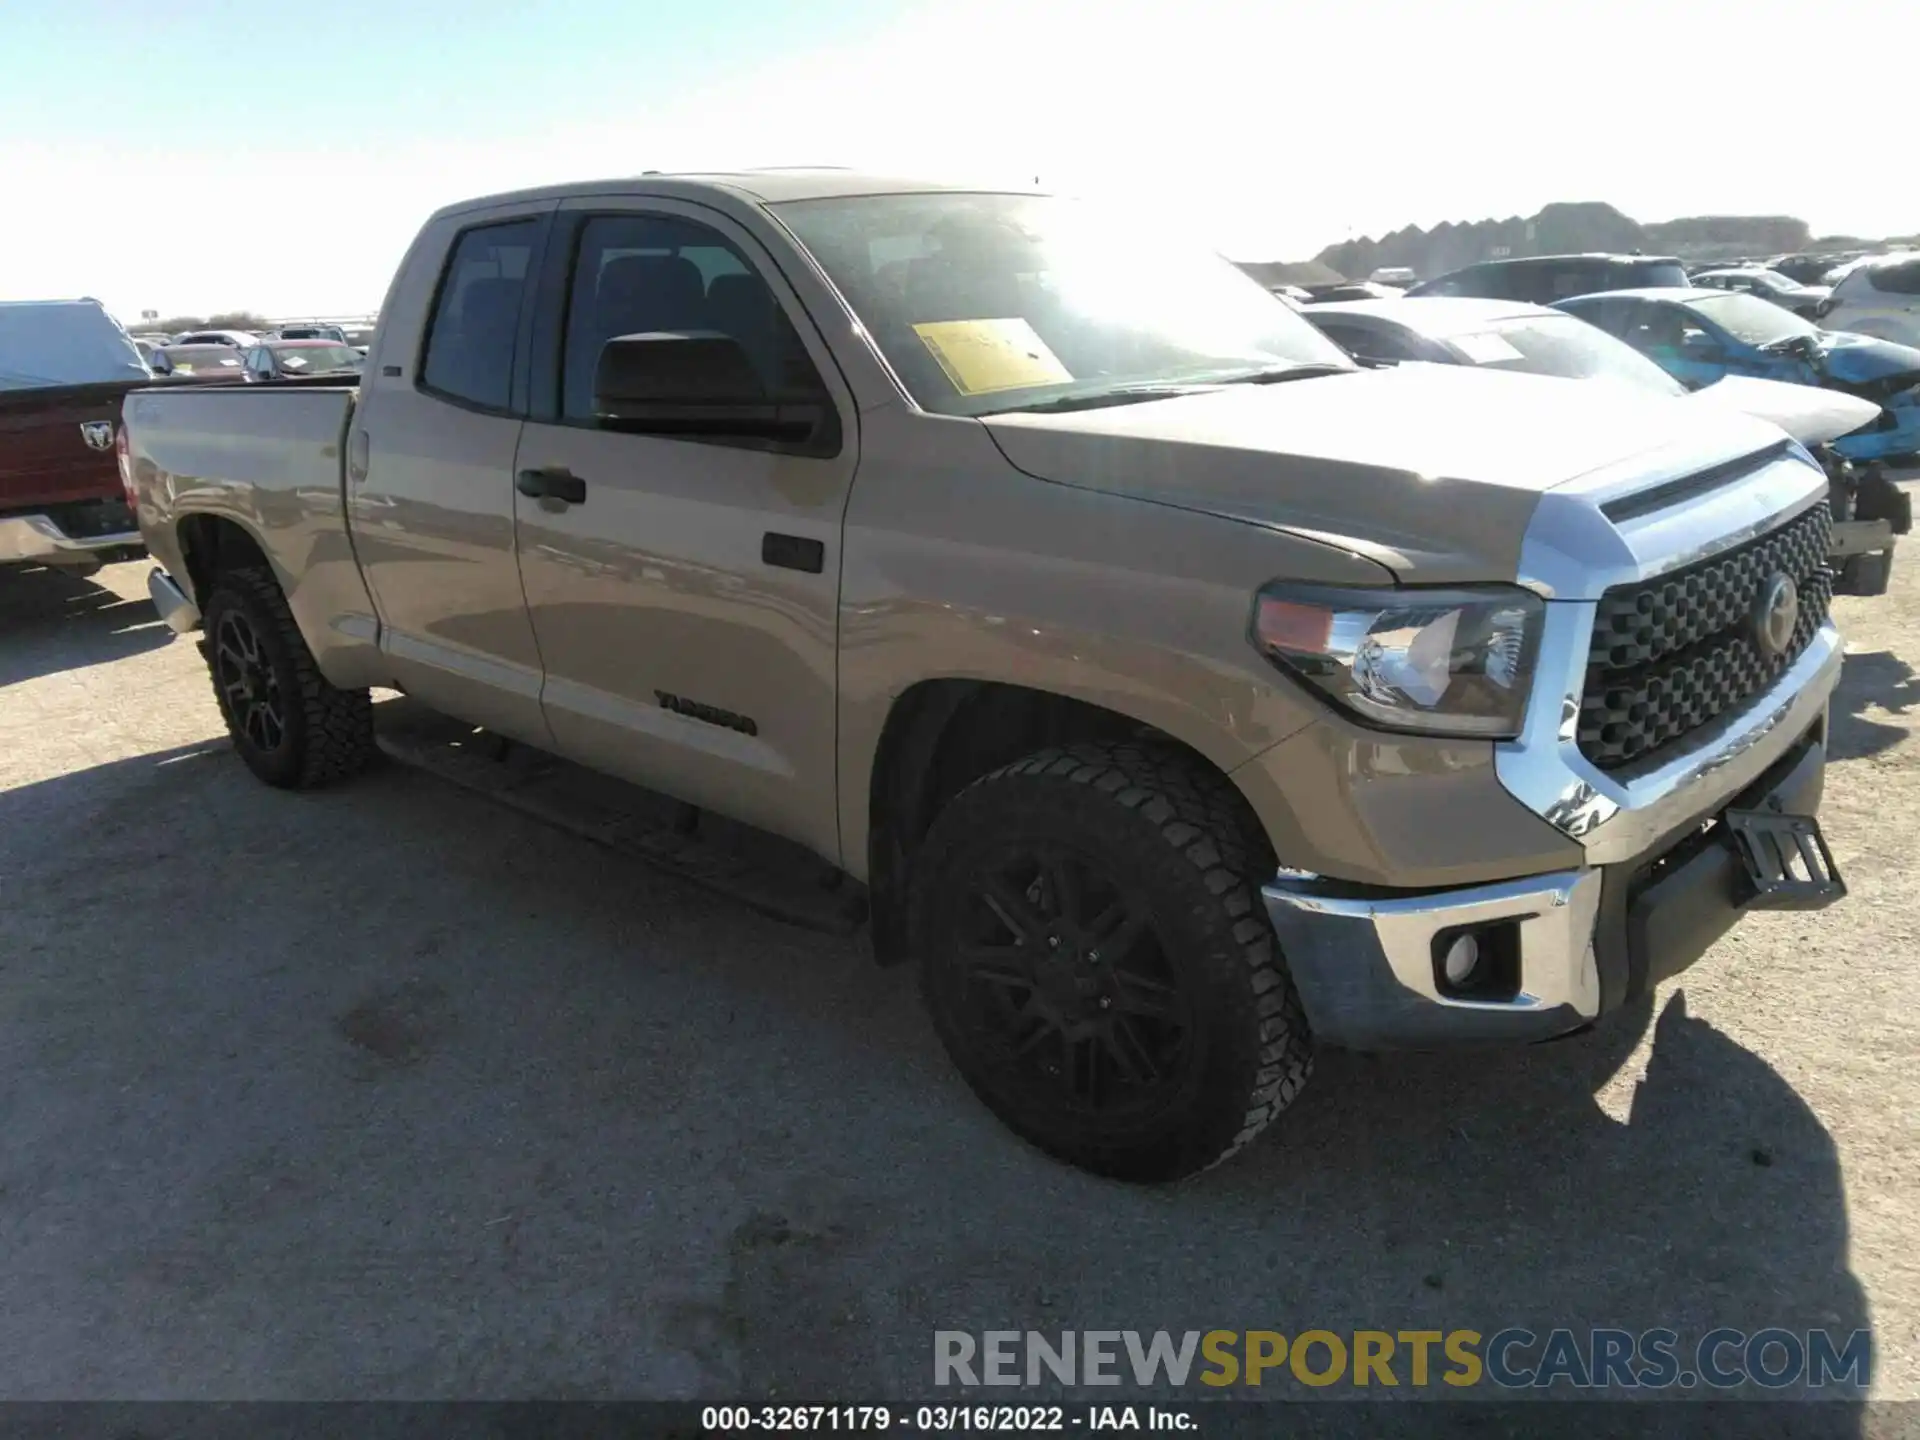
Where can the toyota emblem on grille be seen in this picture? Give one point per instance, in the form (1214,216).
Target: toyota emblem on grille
(97,433)
(1775,614)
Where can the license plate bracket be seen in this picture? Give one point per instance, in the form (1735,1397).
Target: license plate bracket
(1787,862)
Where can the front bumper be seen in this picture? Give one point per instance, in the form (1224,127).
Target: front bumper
(38,539)
(1368,963)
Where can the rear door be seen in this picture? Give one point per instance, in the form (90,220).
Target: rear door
(430,471)
(686,605)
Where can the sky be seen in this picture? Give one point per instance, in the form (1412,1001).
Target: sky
(191,155)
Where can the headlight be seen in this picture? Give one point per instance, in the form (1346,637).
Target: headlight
(1441,662)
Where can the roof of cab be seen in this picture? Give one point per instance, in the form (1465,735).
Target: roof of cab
(767,187)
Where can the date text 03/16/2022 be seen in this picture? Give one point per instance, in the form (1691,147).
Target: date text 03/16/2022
(944,1419)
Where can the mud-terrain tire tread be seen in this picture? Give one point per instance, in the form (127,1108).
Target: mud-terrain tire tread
(1202,821)
(332,728)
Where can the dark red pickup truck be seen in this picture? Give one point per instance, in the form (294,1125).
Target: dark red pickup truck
(64,366)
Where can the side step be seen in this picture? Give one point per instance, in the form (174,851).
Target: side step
(764,872)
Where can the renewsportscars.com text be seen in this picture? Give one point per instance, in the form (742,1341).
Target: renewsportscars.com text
(1511,1359)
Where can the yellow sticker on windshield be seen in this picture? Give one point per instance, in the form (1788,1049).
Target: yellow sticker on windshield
(981,356)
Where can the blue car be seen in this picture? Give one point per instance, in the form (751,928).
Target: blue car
(1699,336)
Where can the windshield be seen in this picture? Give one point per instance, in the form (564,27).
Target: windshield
(1561,345)
(1748,318)
(314,359)
(985,303)
(63,343)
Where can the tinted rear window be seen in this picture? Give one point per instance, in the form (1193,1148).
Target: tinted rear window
(1668,273)
(1901,278)
(470,340)
(63,344)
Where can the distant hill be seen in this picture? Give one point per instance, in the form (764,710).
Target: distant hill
(1561,229)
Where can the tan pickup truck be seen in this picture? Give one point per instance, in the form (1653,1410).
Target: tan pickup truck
(1183,695)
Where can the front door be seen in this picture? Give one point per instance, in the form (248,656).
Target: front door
(685,600)
(430,481)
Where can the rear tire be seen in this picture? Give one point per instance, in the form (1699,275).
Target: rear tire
(1097,962)
(291,727)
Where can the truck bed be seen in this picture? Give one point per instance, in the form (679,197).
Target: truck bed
(274,447)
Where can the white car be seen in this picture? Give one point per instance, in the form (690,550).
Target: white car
(239,339)
(1880,298)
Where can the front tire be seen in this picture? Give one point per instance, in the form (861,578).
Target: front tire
(1096,960)
(291,727)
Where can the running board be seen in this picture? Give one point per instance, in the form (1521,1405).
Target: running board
(764,872)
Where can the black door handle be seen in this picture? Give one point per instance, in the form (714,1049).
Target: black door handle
(553,483)
(792,552)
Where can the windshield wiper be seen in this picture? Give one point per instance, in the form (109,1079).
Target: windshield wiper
(1100,399)
(1278,373)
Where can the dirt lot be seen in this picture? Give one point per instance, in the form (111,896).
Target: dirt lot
(390,1091)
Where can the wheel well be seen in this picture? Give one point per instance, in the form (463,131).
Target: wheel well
(942,735)
(211,544)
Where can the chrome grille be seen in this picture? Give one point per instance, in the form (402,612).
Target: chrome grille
(1676,652)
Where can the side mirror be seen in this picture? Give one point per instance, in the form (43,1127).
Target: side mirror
(694,383)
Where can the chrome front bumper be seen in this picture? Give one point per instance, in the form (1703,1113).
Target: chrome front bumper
(38,539)
(173,603)
(1365,965)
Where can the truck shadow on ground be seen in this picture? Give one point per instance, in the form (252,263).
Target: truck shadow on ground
(55,620)
(1874,680)
(615,1136)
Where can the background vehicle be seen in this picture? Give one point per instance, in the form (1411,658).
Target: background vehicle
(1348,290)
(240,339)
(1803,300)
(312,332)
(286,359)
(1398,276)
(1543,279)
(1698,336)
(1880,298)
(1869,509)
(1803,269)
(200,362)
(64,366)
(1060,593)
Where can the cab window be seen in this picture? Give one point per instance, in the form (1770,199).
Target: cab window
(476,315)
(635,274)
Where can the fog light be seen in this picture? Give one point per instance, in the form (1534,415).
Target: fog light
(1478,962)
(1462,959)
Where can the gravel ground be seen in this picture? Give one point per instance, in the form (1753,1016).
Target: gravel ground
(388,1091)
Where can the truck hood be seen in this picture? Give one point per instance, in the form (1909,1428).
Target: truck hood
(1811,416)
(1433,471)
